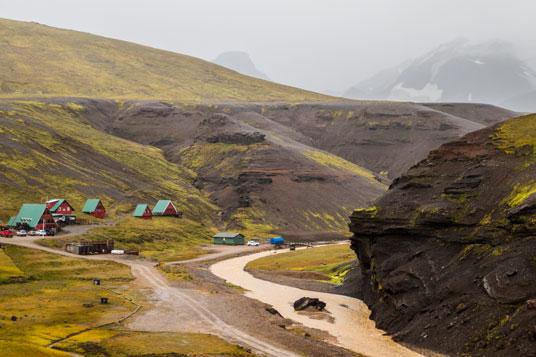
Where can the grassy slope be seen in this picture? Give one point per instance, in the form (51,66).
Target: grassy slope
(327,260)
(39,60)
(129,343)
(48,305)
(49,151)
(48,299)
(162,238)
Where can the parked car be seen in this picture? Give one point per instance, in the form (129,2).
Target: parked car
(7,233)
(253,243)
(32,233)
(50,232)
(40,232)
(22,233)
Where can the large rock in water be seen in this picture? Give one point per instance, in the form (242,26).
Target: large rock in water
(448,254)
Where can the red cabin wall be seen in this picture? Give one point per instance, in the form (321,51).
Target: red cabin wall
(170,210)
(64,208)
(99,212)
(46,222)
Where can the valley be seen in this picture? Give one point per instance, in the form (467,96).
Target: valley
(420,215)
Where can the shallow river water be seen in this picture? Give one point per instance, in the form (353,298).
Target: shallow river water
(351,325)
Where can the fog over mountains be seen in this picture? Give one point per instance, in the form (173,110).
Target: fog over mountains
(241,62)
(458,71)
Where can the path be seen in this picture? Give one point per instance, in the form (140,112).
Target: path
(352,326)
(221,251)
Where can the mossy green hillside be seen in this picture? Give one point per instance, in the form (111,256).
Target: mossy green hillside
(47,304)
(45,61)
(161,238)
(49,150)
(332,261)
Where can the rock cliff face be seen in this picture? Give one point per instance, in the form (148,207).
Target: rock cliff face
(448,254)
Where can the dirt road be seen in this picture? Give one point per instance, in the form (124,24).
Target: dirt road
(351,326)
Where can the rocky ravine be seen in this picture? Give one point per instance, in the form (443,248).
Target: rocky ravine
(448,255)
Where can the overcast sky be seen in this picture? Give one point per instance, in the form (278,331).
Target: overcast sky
(313,44)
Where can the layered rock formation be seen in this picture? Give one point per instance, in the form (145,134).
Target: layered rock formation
(448,255)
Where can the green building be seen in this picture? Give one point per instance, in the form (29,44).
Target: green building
(229,238)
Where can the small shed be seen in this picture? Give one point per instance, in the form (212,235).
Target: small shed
(165,208)
(95,208)
(229,238)
(143,211)
(36,216)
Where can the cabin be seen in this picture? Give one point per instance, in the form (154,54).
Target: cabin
(36,216)
(95,208)
(11,222)
(143,211)
(61,210)
(229,238)
(165,208)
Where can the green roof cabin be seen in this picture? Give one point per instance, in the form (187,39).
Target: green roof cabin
(36,216)
(229,238)
(11,222)
(95,208)
(143,211)
(165,208)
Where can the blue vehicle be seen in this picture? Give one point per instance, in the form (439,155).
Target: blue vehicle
(277,240)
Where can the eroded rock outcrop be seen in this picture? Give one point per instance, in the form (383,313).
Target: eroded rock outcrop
(448,255)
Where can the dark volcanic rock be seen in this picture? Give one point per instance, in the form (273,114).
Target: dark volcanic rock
(448,254)
(305,302)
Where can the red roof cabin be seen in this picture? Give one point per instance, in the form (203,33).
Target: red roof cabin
(143,211)
(165,208)
(95,208)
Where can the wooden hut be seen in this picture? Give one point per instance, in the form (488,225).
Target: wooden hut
(95,208)
(165,208)
(143,211)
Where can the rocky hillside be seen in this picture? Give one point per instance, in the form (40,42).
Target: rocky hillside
(43,61)
(448,255)
(262,168)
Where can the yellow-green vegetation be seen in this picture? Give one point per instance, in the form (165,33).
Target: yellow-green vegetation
(370,211)
(56,144)
(47,304)
(332,261)
(117,343)
(520,193)
(175,272)
(94,66)
(217,157)
(161,238)
(8,270)
(252,222)
(336,162)
(481,250)
(517,135)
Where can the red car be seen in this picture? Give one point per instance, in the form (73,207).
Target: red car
(6,233)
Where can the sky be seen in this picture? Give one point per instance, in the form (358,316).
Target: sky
(319,45)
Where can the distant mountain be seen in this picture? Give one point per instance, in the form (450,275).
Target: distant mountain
(456,72)
(241,62)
